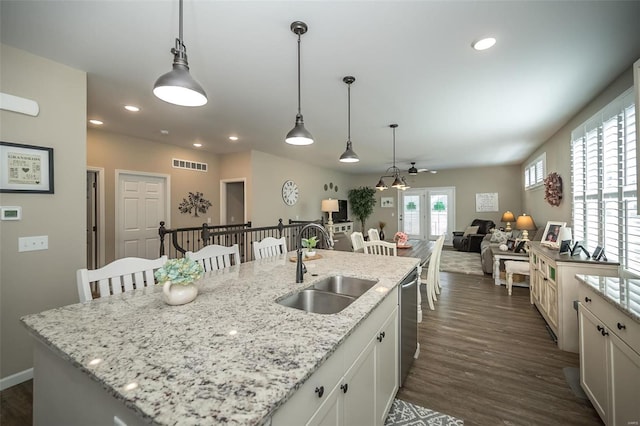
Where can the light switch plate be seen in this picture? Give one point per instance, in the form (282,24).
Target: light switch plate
(33,243)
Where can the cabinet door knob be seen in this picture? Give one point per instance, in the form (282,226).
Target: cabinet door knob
(604,332)
(587,299)
(600,328)
(320,391)
(344,387)
(621,326)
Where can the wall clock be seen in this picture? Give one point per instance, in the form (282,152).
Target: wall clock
(290,192)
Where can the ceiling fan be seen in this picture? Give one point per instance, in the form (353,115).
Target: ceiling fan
(413,171)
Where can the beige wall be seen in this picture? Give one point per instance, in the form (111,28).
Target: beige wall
(270,172)
(112,151)
(32,282)
(505,180)
(558,149)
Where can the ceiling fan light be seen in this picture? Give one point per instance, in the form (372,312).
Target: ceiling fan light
(412,170)
(484,44)
(179,88)
(299,135)
(349,156)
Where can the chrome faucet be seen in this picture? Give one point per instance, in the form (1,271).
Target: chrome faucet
(300,267)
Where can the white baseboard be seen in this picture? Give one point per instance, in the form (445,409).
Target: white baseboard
(417,354)
(16,379)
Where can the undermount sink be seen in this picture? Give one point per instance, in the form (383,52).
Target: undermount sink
(329,295)
(349,286)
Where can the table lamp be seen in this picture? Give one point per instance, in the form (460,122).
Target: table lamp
(330,206)
(508,217)
(525,224)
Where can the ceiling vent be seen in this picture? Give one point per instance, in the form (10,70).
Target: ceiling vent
(189,165)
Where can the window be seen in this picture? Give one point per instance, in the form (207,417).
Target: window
(603,158)
(535,171)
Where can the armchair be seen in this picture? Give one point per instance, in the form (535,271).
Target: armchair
(470,239)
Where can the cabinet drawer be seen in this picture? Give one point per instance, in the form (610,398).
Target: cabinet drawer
(305,401)
(629,330)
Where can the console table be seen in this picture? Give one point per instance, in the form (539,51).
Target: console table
(499,255)
(346,227)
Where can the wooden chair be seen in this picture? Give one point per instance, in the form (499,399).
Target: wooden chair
(216,257)
(357,241)
(433,273)
(382,248)
(374,235)
(118,276)
(269,247)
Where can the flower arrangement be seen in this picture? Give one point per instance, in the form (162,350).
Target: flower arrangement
(179,271)
(400,238)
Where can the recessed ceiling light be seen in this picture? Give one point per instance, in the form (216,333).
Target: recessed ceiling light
(96,122)
(484,43)
(197,145)
(131,108)
(164,132)
(233,138)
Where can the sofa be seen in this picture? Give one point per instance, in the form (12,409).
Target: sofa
(494,239)
(471,239)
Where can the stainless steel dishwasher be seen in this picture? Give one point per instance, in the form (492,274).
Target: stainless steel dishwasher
(408,322)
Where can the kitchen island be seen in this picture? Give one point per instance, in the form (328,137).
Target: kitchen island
(232,356)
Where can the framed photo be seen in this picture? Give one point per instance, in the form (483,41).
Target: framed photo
(565,246)
(386,201)
(520,247)
(511,244)
(552,232)
(26,168)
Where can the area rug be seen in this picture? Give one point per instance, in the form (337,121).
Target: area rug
(404,413)
(460,261)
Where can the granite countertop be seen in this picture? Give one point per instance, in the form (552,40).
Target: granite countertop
(232,356)
(623,293)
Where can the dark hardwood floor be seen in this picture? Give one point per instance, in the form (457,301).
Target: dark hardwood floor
(486,358)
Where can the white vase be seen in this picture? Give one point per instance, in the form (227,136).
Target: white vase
(309,253)
(178,294)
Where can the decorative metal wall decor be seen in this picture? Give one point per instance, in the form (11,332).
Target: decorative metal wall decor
(194,202)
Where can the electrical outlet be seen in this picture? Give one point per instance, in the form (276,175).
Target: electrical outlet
(33,243)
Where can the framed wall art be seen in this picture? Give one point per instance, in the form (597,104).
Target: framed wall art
(386,201)
(26,168)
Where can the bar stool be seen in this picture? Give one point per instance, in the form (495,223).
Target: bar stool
(514,267)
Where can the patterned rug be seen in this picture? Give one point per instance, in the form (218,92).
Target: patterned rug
(460,261)
(406,414)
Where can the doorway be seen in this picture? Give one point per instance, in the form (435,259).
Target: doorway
(233,203)
(95,218)
(427,213)
(142,201)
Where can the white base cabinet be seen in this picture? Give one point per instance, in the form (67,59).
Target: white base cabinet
(358,383)
(609,360)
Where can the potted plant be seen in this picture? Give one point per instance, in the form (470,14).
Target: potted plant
(362,201)
(310,245)
(177,277)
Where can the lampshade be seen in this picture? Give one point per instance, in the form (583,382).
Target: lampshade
(525,223)
(565,234)
(330,205)
(349,156)
(508,217)
(177,86)
(381,185)
(299,135)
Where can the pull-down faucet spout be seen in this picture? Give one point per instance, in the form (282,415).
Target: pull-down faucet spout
(300,268)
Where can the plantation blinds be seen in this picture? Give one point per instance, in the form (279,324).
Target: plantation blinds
(604,176)
(535,171)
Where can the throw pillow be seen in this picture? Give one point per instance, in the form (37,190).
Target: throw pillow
(470,230)
(499,237)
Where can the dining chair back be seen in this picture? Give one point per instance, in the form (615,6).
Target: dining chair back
(357,241)
(216,257)
(373,234)
(121,275)
(269,247)
(433,273)
(382,248)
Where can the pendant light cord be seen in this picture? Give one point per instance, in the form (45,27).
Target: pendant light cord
(180,27)
(349,113)
(299,102)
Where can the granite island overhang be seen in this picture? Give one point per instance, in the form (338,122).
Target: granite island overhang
(232,356)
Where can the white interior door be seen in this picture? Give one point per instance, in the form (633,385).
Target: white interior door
(427,213)
(441,213)
(412,213)
(142,204)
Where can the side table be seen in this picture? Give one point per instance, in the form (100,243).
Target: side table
(499,255)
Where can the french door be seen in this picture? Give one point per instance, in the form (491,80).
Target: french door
(427,213)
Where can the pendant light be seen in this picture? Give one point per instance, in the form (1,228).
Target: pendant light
(399,182)
(299,135)
(177,86)
(349,156)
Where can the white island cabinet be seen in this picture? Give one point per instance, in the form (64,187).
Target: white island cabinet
(609,312)
(232,356)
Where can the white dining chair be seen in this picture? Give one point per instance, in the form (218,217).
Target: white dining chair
(216,257)
(121,275)
(433,273)
(269,247)
(382,248)
(357,241)
(374,235)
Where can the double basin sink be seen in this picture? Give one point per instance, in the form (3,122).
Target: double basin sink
(329,295)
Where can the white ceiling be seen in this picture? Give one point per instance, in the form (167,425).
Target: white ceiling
(412,60)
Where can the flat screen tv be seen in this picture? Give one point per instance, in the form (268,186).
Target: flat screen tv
(341,215)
